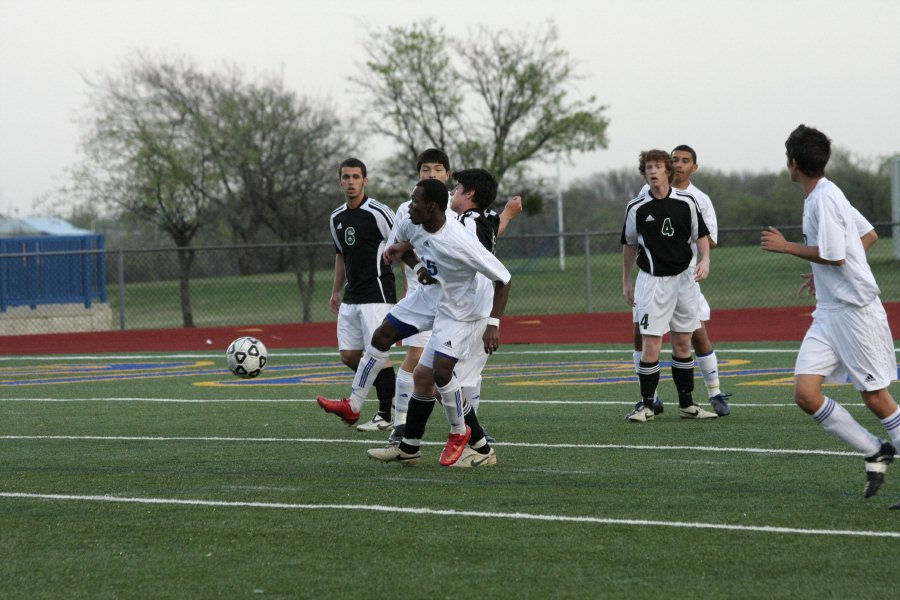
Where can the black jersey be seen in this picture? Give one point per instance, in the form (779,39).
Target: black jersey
(485,224)
(359,236)
(663,230)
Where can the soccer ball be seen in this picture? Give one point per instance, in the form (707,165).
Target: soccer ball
(246,357)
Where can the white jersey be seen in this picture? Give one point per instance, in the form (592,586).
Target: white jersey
(832,224)
(454,256)
(412,282)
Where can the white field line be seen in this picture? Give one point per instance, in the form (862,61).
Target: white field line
(311,400)
(369,442)
(627,351)
(519,516)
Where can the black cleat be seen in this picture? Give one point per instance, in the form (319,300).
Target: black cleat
(876,467)
(397,433)
(658,407)
(720,404)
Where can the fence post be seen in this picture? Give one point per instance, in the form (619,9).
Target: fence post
(121,279)
(588,291)
(895,204)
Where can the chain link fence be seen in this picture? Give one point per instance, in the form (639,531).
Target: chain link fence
(290,283)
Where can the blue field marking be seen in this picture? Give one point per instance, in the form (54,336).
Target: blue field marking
(93,373)
(546,373)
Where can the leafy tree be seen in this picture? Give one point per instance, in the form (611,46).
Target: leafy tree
(497,99)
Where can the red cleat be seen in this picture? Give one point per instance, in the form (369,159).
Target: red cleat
(339,407)
(456,443)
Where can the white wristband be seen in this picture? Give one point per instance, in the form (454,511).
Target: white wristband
(494,321)
(419,265)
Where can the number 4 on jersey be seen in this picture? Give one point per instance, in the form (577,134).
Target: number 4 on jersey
(667,228)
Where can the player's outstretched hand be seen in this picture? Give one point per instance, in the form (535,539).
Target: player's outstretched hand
(772,240)
(513,207)
(809,286)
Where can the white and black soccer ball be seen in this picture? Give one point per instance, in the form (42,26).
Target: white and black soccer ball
(246,357)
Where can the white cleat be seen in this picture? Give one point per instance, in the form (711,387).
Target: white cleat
(393,453)
(376,423)
(695,412)
(473,458)
(640,415)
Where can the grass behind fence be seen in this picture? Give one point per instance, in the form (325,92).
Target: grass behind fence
(741,277)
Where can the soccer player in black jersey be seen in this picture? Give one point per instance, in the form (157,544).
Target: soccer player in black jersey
(660,226)
(360,228)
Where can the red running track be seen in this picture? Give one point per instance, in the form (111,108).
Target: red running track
(742,325)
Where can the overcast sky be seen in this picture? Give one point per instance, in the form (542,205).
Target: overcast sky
(729,77)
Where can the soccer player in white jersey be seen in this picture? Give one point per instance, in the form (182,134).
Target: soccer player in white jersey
(659,227)
(432,163)
(684,161)
(850,335)
(459,308)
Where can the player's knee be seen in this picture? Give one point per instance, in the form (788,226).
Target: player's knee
(808,399)
(384,337)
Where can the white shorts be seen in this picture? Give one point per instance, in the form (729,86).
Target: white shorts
(468,369)
(418,311)
(419,340)
(705,311)
(357,322)
(850,344)
(667,303)
(704,307)
(456,339)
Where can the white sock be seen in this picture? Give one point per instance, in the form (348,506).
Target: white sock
(452,401)
(403,394)
(709,367)
(837,421)
(370,366)
(892,426)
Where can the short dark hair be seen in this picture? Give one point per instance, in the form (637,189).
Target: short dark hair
(481,182)
(435,191)
(353,163)
(433,155)
(686,148)
(810,148)
(654,156)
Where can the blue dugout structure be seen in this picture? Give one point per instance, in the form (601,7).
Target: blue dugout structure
(39,270)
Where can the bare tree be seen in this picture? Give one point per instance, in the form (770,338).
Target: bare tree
(185,149)
(277,156)
(142,153)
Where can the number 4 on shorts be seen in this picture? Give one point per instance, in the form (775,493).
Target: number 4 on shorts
(645,321)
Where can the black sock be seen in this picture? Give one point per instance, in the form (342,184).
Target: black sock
(648,375)
(420,408)
(385,387)
(683,376)
(477,430)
